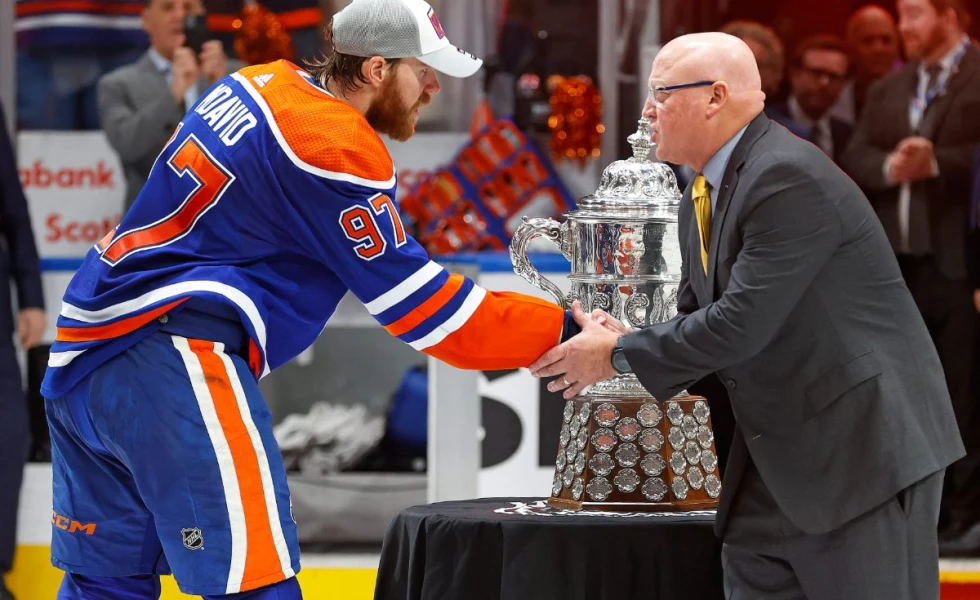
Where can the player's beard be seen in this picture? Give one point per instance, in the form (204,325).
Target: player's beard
(391,115)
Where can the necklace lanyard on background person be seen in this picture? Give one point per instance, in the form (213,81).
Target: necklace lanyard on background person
(921,103)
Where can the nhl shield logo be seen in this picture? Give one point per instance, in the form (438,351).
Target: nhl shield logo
(436,24)
(193,539)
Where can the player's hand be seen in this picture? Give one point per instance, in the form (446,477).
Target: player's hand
(214,62)
(186,72)
(976,299)
(582,360)
(611,323)
(31,324)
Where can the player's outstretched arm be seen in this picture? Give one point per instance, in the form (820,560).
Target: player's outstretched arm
(358,233)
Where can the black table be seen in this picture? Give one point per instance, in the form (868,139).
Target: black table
(520,549)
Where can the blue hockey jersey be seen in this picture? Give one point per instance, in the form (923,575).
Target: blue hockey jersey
(272,200)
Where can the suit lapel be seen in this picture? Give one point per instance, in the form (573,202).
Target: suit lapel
(907,81)
(155,80)
(938,109)
(755,130)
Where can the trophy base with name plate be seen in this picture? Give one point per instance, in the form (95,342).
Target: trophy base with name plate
(636,455)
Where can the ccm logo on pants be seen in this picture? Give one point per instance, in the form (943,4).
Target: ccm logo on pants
(71,525)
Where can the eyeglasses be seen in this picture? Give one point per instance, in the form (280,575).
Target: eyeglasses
(659,93)
(819,74)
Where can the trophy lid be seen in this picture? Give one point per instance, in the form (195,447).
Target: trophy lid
(634,184)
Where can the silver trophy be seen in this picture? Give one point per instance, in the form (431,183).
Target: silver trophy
(619,447)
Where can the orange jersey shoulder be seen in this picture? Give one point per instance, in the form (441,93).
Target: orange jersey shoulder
(321,130)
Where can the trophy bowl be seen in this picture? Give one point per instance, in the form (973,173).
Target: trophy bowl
(619,447)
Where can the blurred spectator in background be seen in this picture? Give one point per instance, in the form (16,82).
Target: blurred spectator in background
(768,51)
(516,44)
(140,104)
(872,39)
(912,153)
(817,73)
(771,60)
(62,50)
(18,255)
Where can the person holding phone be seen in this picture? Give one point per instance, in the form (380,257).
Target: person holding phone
(140,104)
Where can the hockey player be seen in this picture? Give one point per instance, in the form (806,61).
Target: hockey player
(272,200)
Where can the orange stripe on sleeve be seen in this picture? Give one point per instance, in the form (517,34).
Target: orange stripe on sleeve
(112,330)
(427,308)
(262,565)
(507,331)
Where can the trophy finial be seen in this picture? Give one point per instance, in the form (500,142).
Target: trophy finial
(640,140)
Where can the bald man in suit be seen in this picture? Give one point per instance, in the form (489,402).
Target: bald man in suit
(790,293)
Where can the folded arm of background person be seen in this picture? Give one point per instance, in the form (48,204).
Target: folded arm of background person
(866,154)
(136,132)
(15,225)
(789,230)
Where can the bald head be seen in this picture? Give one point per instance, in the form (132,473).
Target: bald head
(716,57)
(872,39)
(713,90)
(868,17)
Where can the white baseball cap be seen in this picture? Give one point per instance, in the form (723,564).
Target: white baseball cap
(399,29)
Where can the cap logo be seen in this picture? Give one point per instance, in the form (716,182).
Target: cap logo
(436,24)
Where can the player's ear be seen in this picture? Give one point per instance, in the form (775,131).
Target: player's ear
(373,70)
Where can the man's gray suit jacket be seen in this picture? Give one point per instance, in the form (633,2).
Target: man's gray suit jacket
(138,114)
(838,393)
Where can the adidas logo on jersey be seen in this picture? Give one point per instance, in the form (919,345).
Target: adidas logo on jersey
(261,80)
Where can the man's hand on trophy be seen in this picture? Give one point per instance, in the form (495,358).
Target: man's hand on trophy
(603,318)
(582,360)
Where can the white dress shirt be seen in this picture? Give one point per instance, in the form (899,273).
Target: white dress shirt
(915,117)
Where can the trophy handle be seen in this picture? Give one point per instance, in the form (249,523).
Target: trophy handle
(528,230)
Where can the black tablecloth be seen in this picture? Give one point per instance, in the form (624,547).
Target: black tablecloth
(519,549)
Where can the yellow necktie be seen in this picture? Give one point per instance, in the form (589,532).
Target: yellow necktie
(702,208)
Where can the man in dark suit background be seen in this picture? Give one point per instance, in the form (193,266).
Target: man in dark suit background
(19,263)
(912,153)
(872,42)
(817,72)
(790,292)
